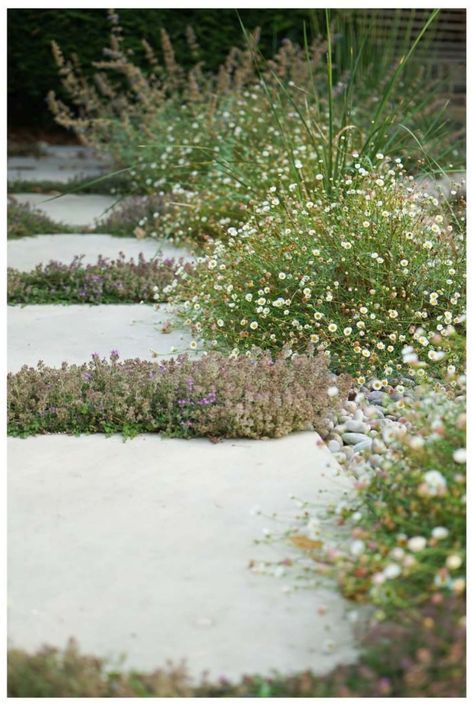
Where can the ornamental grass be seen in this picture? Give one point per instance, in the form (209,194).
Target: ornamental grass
(212,143)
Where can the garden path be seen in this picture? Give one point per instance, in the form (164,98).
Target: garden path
(145,547)
(74,209)
(54,333)
(25,253)
(56,163)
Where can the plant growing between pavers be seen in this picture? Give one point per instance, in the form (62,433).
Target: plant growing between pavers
(217,397)
(126,219)
(105,282)
(23,220)
(130,214)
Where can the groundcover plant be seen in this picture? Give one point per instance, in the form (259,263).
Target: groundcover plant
(422,658)
(215,396)
(104,282)
(23,220)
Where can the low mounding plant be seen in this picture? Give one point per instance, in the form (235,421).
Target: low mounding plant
(356,271)
(107,281)
(130,215)
(425,657)
(24,220)
(108,184)
(214,396)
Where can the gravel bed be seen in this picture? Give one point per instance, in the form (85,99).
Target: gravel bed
(369,421)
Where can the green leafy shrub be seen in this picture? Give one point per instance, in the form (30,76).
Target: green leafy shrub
(30,31)
(214,396)
(105,282)
(356,272)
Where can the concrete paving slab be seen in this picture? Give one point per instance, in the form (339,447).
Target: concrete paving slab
(143,548)
(72,333)
(57,165)
(71,209)
(76,152)
(25,253)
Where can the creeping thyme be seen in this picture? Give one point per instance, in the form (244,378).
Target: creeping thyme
(106,281)
(215,396)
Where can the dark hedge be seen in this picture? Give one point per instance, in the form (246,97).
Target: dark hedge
(31,70)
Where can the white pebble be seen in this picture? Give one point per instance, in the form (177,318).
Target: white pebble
(356,425)
(333,445)
(362,446)
(354,438)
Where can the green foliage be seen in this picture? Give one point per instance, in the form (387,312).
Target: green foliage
(130,216)
(213,143)
(215,396)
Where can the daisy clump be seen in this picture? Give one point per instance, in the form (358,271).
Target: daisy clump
(361,271)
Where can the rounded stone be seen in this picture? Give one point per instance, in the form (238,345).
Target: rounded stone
(357,426)
(378,446)
(352,438)
(334,446)
(336,437)
(376,397)
(362,445)
(374,412)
